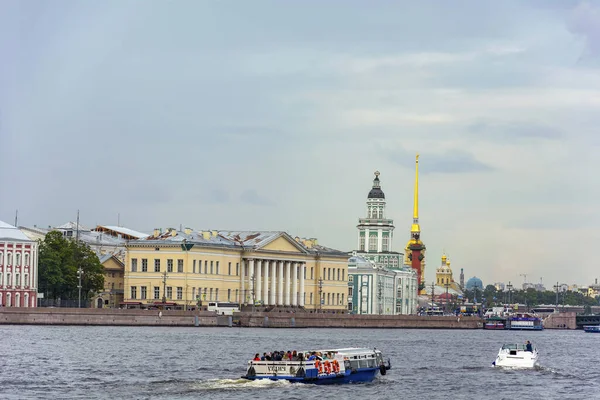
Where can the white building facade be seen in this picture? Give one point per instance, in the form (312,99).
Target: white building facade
(374,289)
(18,268)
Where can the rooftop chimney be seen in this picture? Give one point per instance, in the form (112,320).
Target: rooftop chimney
(205,235)
(156,232)
(188,231)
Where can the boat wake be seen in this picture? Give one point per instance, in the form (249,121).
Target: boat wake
(239,384)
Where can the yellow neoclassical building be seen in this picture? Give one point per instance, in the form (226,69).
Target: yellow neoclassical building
(265,268)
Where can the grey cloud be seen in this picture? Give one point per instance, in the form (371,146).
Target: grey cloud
(585,21)
(250,196)
(505,132)
(448,162)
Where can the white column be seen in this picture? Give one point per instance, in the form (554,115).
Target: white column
(294,284)
(280,284)
(266,283)
(258,280)
(273,281)
(288,289)
(241,292)
(302,272)
(249,298)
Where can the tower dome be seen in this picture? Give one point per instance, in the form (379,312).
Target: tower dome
(376,192)
(474,282)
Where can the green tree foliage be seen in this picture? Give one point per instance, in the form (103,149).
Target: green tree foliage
(530,297)
(58,263)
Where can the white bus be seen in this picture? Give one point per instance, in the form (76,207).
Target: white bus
(222,308)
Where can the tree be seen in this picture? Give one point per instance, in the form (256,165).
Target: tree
(58,263)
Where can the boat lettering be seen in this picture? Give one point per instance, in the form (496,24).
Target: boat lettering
(277,369)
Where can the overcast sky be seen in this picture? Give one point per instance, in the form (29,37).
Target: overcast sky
(273,115)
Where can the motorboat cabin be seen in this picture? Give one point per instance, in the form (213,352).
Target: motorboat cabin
(516,356)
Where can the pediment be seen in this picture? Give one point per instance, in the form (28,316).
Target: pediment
(283,243)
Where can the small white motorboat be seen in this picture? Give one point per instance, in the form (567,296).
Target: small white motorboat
(516,356)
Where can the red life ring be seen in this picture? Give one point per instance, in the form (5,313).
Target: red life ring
(327,367)
(336,366)
(319,366)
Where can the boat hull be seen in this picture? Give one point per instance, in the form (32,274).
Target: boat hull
(592,328)
(359,376)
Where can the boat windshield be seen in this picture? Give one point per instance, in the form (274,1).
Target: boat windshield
(513,347)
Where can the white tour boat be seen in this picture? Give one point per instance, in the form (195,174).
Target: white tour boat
(516,356)
(340,366)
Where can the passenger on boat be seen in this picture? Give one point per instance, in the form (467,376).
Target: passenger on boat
(256,357)
(313,356)
(294,355)
(528,347)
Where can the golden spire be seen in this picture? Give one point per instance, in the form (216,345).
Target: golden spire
(415,225)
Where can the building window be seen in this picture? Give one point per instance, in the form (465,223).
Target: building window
(180,265)
(205,266)
(194,270)
(372,242)
(156,293)
(211,291)
(328,274)
(17,279)
(193,293)
(217,294)
(169,292)
(362,243)
(338,299)
(156,265)
(310,299)
(169,265)
(179,293)
(211,267)
(229,271)
(18,259)
(217,268)
(144,265)
(1,258)
(26,259)
(385,243)
(133,292)
(25,280)
(8,281)
(237,295)
(9,259)
(143,292)
(338,274)
(237,269)
(134,265)
(229,293)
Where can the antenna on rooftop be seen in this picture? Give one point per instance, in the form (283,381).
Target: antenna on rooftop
(118,219)
(16,217)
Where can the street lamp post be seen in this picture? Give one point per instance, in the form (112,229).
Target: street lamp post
(509,287)
(447,284)
(252,292)
(321,294)
(164,298)
(79,275)
(557,286)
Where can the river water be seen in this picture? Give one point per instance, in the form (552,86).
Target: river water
(75,362)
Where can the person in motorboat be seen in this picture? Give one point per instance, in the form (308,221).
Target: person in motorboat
(528,347)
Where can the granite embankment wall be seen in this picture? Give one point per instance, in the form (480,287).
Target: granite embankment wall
(300,320)
(566,320)
(108,317)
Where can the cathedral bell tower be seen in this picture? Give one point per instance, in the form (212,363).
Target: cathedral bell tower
(415,249)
